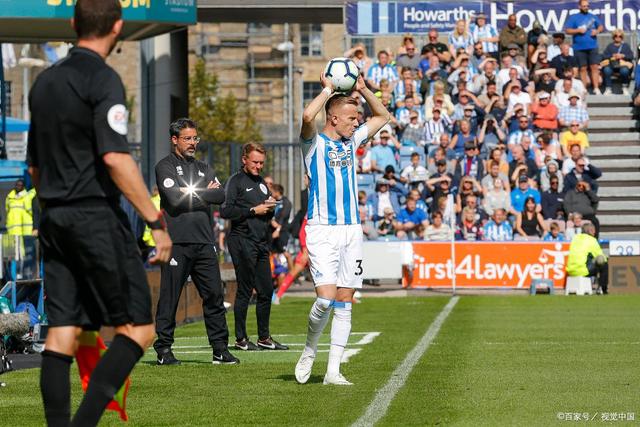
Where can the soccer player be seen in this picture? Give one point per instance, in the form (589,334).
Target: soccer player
(334,233)
(79,161)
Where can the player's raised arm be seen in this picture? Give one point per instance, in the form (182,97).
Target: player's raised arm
(314,107)
(380,114)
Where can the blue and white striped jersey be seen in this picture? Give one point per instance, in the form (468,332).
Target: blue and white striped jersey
(484,32)
(377,73)
(333,187)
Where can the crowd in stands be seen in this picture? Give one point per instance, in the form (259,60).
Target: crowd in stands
(488,132)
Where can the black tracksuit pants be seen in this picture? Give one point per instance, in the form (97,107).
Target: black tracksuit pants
(199,261)
(251,263)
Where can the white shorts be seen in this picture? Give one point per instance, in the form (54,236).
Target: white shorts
(335,254)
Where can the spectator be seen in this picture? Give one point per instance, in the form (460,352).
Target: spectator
(460,38)
(575,153)
(586,258)
(498,229)
(521,193)
(548,149)
(382,70)
(383,154)
(403,113)
(358,54)
(486,77)
(497,155)
(410,58)
(532,152)
(369,230)
(472,202)
(561,94)
(383,198)
(537,36)
(469,228)
(574,225)
(478,58)
(522,165)
(413,133)
(509,72)
(464,101)
(491,134)
(583,200)
(432,76)
(486,34)
(439,124)
(488,180)
(420,204)
(408,219)
(489,92)
(385,225)
(468,187)
(462,138)
(555,48)
(617,58)
(394,181)
(438,231)
(363,155)
(554,234)
(544,81)
(440,49)
(552,170)
(408,86)
(439,186)
(574,136)
(515,53)
(576,85)
(496,198)
(512,33)
(585,27)
(515,95)
(444,153)
(573,113)
(545,114)
(565,61)
(524,130)
(540,64)
(529,223)
(583,172)
(470,164)
(440,100)
(414,174)
(407,39)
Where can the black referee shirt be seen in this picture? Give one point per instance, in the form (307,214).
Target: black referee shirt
(78,114)
(243,192)
(188,214)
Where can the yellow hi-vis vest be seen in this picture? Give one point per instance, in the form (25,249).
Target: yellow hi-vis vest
(27,221)
(147,238)
(16,207)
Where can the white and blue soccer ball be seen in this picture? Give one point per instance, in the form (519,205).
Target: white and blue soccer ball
(343,74)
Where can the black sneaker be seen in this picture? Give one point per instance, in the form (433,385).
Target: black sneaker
(166,357)
(223,357)
(271,344)
(246,345)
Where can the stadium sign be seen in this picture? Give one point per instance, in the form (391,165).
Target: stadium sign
(390,17)
(487,264)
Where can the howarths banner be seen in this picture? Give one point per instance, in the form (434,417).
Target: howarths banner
(389,17)
(487,264)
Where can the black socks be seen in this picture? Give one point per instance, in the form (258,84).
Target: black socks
(107,378)
(55,386)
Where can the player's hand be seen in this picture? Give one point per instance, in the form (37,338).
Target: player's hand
(326,82)
(594,33)
(360,84)
(264,208)
(163,247)
(213,185)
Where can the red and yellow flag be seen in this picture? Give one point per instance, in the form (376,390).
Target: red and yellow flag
(88,355)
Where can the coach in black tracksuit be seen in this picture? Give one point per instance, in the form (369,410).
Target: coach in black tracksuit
(187,189)
(249,206)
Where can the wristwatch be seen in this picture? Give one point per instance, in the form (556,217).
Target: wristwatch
(159,223)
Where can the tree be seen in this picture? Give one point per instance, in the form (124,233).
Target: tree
(222,122)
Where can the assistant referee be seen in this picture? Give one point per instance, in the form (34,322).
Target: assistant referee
(79,161)
(249,206)
(188,188)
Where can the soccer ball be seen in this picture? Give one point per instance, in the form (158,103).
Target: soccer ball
(343,74)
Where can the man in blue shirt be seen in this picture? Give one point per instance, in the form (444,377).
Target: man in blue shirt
(521,194)
(383,154)
(585,27)
(409,219)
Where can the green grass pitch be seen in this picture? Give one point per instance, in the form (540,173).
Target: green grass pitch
(496,361)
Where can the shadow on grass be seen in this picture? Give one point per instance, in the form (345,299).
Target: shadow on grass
(183,362)
(313,379)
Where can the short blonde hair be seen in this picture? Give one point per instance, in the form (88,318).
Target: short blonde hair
(617,32)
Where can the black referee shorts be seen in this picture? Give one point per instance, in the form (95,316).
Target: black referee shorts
(93,273)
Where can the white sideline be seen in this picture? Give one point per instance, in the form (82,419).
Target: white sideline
(378,407)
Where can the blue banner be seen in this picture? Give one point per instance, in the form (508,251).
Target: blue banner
(390,17)
(164,11)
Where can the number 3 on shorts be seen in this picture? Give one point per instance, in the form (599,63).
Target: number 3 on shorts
(358,267)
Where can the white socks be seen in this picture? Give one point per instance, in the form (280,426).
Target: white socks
(318,318)
(340,330)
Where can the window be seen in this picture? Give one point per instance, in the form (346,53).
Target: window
(311,39)
(367,42)
(7,88)
(258,28)
(310,90)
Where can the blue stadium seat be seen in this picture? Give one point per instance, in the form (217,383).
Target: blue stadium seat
(408,150)
(365,179)
(404,162)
